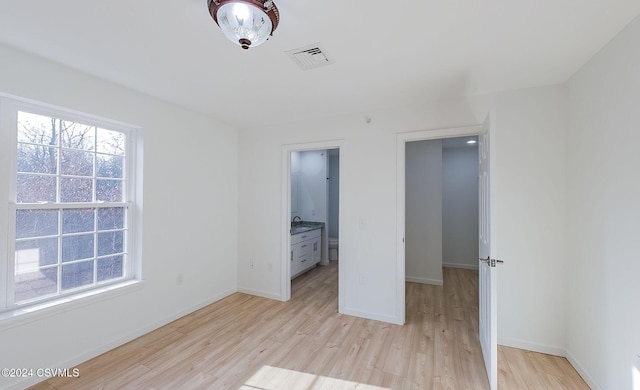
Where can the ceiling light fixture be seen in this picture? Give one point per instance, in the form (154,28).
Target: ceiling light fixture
(247,23)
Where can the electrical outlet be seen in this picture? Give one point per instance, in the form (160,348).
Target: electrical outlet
(270,266)
(362,277)
(179,279)
(251,264)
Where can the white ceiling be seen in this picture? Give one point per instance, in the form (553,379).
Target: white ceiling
(387,54)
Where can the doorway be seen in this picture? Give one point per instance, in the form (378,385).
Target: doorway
(441,207)
(312,193)
(402,140)
(486,287)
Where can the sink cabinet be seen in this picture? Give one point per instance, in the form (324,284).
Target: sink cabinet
(305,251)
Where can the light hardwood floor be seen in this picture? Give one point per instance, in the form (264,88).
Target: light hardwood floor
(249,343)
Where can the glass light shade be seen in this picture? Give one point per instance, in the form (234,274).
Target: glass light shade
(244,24)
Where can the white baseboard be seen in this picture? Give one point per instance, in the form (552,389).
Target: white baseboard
(520,344)
(373,316)
(458,265)
(122,340)
(556,351)
(413,279)
(259,293)
(592,384)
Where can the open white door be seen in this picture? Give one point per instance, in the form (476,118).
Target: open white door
(487,263)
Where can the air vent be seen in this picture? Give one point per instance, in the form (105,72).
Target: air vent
(309,57)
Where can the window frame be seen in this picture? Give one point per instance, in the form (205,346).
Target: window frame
(9,108)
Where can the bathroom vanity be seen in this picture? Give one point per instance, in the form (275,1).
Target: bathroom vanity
(306,247)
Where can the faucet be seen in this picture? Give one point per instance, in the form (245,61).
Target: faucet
(293,221)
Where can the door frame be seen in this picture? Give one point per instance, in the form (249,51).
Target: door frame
(285,215)
(401,141)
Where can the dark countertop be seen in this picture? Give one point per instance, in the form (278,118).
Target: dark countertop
(305,226)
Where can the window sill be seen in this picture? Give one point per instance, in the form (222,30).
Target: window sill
(24,315)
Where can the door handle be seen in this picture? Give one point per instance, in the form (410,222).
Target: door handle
(491,262)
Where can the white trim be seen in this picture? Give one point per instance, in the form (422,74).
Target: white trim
(434,282)
(461,266)
(136,212)
(125,339)
(132,172)
(401,140)
(285,216)
(42,108)
(440,133)
(23,315)
(582,372)
(74,205)
(529,346)
(7,137)
(260,293)
(372,316)
(549,350)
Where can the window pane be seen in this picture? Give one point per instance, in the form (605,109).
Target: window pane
(110,268)
(76,275)
(37,129)
(37,159)
(77,136)
(77,247)
(36,188)
(111,142)
(58,162)
(109,190)
(76,162)
(109,166)
(76,190)
(33,254)
(36,223)
(35,284)
(111,218)
(77,220)
(110,243)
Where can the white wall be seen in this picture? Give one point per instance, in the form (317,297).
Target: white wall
(367,209)
(530,206)
(460,207)
(603,332)
(187,158)
(441,209)
(423,215)
(312,188)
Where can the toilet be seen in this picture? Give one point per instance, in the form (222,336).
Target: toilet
(333,249)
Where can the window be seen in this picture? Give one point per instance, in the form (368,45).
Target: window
(70,204)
